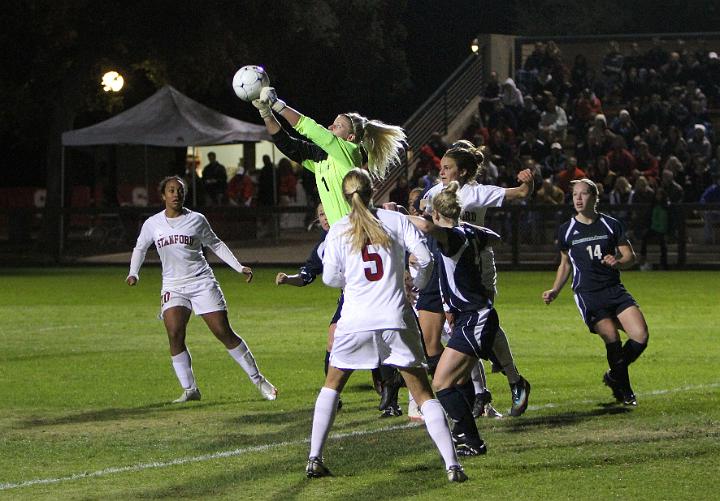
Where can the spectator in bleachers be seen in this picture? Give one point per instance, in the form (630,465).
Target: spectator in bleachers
(529,116)
(599,172)
(675,145)
(678,114)
(623,125)
(653,137)
(654,111)
(511,97)
(427,161)
(620,160)
(549,193)
(656,231)
(555,162)
(697,179)
(612,66)
(698,144)
(400,193)
(571,173)
(501,144)
(502,118)
(587,107)
(544,82)
(711,195)
(489,96)
(553,122)
(537,58)
(579,77)
(599,137)
(641,197)
(647,163)
(438,144)
(533,147)
(620,195)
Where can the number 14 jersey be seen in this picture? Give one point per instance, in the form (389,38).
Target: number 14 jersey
(586,245)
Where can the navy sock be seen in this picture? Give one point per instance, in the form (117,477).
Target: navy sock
(616,361)
(460,413)
(433,363)
(468,391)
(632,350)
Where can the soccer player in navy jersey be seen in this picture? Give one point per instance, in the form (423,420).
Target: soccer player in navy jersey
(475,332)
(594,246)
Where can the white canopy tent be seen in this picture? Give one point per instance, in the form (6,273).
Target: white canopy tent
(167,118)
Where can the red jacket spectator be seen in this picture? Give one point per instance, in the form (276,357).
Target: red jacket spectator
(571,173)
(620,160)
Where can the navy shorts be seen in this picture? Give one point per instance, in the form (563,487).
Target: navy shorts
(340,302)
(474,333)
(430,301)
(607,303)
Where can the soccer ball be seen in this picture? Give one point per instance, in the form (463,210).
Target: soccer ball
(248,81)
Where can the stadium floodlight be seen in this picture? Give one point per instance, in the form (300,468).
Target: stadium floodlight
(112,81)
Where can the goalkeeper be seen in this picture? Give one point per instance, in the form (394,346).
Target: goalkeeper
(331,153)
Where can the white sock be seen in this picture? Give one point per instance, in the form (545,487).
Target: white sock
(242,355)
(502,352)
(439,431)
(325,409)
(182,364)
(478,377)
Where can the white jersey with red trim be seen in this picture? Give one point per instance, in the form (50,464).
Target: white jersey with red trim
(373,280)
(475,199)
(179,244)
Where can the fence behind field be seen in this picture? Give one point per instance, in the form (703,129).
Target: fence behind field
(528,233)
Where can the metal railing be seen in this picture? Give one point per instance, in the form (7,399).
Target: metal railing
(436,114)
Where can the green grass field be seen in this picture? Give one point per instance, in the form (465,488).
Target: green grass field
(85,381)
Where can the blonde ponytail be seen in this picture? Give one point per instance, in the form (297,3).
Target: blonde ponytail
(364,227)
(381,141)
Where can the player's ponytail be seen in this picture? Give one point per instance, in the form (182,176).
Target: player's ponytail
(364,227)
(467,158)
(381,141)
(447,202)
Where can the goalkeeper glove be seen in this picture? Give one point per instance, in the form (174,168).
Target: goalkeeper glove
(269,95)
(263,107)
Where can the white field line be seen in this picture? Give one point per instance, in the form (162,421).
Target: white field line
(264,447)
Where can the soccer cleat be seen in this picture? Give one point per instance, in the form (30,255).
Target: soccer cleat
(316,468)
(614,385)
(628,395)
(465,448)
(389,391)
(456,474)
(392,410)
(520,392)
(187,395)
(267,390)
(481,399)
(491,412)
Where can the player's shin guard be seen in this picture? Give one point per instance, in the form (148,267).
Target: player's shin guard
(458,410)
(616,362)
(632,350)
(439,431)
(242,355)
(182,365)
(468,391)
(323,417)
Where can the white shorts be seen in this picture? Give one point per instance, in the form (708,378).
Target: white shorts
(204,296)
(368,349)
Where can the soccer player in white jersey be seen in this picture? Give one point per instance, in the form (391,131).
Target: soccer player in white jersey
(460,163)
(365,255)
(188,284)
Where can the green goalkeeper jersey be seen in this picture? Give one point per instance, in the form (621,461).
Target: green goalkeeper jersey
(342,156)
